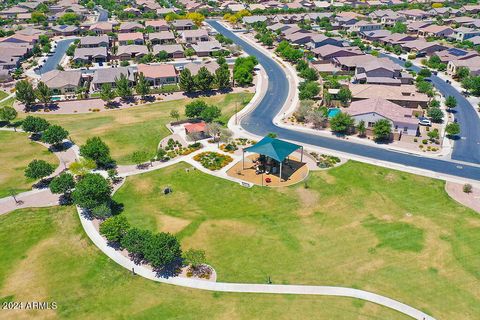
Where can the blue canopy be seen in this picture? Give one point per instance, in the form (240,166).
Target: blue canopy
(274,148)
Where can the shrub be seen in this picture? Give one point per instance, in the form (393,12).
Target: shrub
(467,188)
(114,228)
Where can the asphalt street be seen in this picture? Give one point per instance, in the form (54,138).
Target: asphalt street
(259,122)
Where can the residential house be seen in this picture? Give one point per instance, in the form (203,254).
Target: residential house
(173,50)
(19,38)
(62,82)
(372,110)
(254,19)
(206,48)
(414,14)
(319,40)
(472,9)
(369,69)
(89,55)
(12,55)
(130,27)
(132,51)
(376,35)
(183,24)
(130,38)
(422,46)
(330,52)
(299,38)
(94,41)
(404,95)
(414,26)
(464,33)
(451,54)
(162,37)
(473,64)
(101,27)
(397,39)
(436,31)
(194,67)
(109,75)
(159,74)
(195,36)
(443,12)
(364,26)
(64,30)
(157,25)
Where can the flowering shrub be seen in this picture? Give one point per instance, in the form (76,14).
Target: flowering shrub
(213,160)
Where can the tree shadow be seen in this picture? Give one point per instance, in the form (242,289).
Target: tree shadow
(171,270)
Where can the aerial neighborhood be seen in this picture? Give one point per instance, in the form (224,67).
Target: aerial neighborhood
(231,159)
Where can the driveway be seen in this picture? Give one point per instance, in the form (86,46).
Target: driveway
(467,148)
(54,60)
(260,122)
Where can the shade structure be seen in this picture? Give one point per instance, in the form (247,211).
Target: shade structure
(274,148)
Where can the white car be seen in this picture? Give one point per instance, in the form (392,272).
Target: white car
(424,121)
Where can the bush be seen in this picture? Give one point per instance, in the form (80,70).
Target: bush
(467,188)
(114,228)
(213,160)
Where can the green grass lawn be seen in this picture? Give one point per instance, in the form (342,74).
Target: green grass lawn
(46,257)
(357,225)
(139,127)
(3,94)
(17,152)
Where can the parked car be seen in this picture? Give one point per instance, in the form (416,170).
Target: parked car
(428,79)
(424,121)
(448,81)
(435,72)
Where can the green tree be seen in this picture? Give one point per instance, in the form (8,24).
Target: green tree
(82,167)
(43,93)
(38,17)
(194,257)
(174,114)
(143,86)
(344,95)
(309,74)
(424,72)
(408,64)
(54,135)
(382,130)
(162,249)
(451,102)
(135,240)
(24,92)
(63,183)
(452,129)
(96,150)
(195,108)
(301,66)
(91,191)
(106,93)
(140,156)
(433,134)
(210,113)
(362,128)
(462,73)
(189,52)
(162,55)
(186,81)
(399,27)
(38,169)
(341,123)
(222,78)
(308,90)
(34,124)
(114,228)
(123,87)
(204,80)
(8,114)
(435,114)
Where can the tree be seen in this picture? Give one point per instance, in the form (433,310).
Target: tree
(8,114)
(344,95)
(435,114)
(194,257)
(63,183)
(38,169)
(106,93)
(451,102)
(195,108)
(196,17)
(162,55)
(38,17)
(91,191)
(308,90)
(96,150)
(189,52)
(135,241)
(54,135)
(309,74)
(316,118)
(472,84)
(139,157)
(174,115)
(186,81)
(43,93)
(399,27)
(82,167)
(424,72)
(114,228)
(210,113)
(272,135)
(222,78)
(408,64)
(341,122)
(162,249)
(34,124)
(24,92)
(424,87)
(143,86)
(462,73)
(361,128)
(225,135)
(213,130)
(123,87)
(382,130)
(204,79)
(452,129)
(433,134)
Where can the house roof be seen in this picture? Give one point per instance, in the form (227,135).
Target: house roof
(211,66)
(274,148)
(58,79)
(157,70)
(130,25)
(195,33)
(156,23)
(92,40)
(108,75)
(162,35)
(329,49)
(169,48)
(105,26)
(382,107)
(207,46)
(130,36)
(84,53)
(133,48)
(400,93)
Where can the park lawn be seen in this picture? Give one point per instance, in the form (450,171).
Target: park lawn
(47,257)
(17,152)
(7,103)
(3,94)
(139,127)
(357,225)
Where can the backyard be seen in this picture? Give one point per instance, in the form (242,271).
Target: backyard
(357,225)
(139,127)
(17,152)
(49,258)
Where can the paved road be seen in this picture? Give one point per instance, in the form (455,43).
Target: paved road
(259,122)
(52,61)
(468,147)
(102,14)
